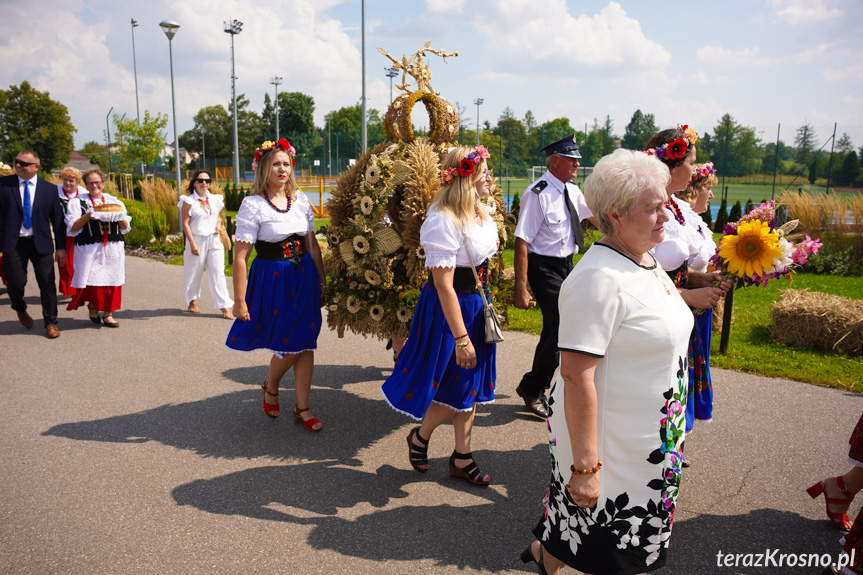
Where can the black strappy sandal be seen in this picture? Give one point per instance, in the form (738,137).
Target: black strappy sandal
(470,473)
(527,557)
(418,454)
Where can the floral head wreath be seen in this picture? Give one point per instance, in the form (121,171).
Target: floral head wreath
(466,167)
(677,148)
(703,171)
(282,144)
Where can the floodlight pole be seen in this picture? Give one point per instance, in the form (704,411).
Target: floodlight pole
(775,161)
(830,164)
(108,134)
(391,73)
(169,27)
(276,80)
(365,118)
(234,27)
(479,102)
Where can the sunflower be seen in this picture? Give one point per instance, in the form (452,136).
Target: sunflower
(373,172)
(372,277)
(361,244)
(404,315)
(353,304)
(366,205)
(376,312)
(752,250)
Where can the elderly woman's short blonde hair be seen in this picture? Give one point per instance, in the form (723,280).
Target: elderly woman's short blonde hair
(617,181)
(72,173)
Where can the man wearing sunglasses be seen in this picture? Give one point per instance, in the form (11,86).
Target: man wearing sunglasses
(29,208)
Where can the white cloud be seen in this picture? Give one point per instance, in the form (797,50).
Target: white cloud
(748,58)
(702,78)
(562,43)
(804,12)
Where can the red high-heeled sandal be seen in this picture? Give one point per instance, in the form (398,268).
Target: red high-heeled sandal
(271,409)
(840,520)
(308,423)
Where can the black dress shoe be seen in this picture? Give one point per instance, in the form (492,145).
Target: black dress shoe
(535,405)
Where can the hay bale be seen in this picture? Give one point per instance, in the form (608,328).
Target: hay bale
(817,320)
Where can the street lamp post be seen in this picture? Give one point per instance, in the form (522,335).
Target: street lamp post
(169,27)
(363,35)
(108,134)
(135,68)
(391,73)
(276,80)
(479,102)
(233,28)
(204,146)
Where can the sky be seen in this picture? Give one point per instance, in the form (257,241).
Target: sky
(765,62)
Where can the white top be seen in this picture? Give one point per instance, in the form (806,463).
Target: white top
(681,243)
(63,196)
(442,240)
(257,220)
(74,212)
(27,232)
(202,222)
(543,218)
(702,235)
(632,317)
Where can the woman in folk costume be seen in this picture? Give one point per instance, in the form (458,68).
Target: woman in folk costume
(100,256)
(278,308)
(69,191)
(446,368)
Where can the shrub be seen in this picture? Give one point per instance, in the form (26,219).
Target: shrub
(736,212)
(161,196)
(721,217)
(142,227)
(516,205)
(749,206)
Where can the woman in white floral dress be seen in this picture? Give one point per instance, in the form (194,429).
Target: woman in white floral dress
(616,410)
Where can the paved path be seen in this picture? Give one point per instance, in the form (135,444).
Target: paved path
(144,450)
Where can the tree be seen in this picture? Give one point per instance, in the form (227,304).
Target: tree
(296,113)
(850,169)
(250,128)
(30,119)
(844,145)
(805,142)
(733,148)
(213,134)
(96,154)
(638,131)
(529,122)
(136,143)
(599,142)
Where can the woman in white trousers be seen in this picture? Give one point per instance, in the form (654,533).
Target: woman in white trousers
(202,224)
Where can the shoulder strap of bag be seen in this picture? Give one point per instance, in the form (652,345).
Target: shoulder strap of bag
(473,268)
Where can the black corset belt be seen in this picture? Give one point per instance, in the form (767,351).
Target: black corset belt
(463,280)
(290,249)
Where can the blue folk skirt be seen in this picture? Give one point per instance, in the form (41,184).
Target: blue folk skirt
(427,371)
(284,301)
(699,403)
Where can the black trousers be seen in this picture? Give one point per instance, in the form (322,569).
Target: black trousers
(545,275)
(15,270)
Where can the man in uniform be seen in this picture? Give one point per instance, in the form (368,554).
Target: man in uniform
(548,234)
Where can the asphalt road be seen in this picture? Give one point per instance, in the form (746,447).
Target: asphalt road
(144,450)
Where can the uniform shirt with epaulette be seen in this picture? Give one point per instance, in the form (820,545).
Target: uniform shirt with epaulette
(544,219)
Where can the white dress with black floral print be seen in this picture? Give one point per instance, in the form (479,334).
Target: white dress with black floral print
(631,317)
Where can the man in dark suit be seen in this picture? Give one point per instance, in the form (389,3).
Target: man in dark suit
(29,208)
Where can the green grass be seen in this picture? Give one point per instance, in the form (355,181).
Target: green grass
(751,348)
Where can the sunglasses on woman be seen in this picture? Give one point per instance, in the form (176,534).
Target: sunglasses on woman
(203,180)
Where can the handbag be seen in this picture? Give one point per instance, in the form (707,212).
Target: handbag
(493,333)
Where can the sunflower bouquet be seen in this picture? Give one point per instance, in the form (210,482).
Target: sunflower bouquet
(754,250)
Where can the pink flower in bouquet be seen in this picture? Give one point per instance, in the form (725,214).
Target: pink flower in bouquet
(805,249)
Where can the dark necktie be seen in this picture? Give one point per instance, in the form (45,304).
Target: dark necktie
(28,207)
(573,218)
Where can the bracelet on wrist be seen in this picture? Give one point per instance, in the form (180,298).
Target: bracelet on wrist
(590,471)
(463,345)
(461,337)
